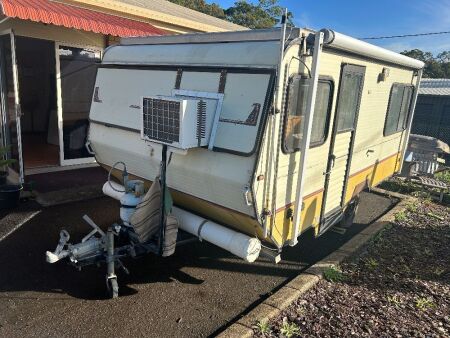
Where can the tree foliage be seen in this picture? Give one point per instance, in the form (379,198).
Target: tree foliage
(212,9)
(263,14)
(435,66)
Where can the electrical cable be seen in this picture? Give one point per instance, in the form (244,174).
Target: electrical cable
(404,35)
(109,175)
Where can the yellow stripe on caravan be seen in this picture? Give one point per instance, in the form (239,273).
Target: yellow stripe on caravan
(373,175)
(283,229)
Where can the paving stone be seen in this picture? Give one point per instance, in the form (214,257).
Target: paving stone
(236,331)
(303,282)
(260,313)
(355,243)
(283,298)
(374,228)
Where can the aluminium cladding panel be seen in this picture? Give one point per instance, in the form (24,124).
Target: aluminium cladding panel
(121,90)
(369,132)
(251,54)
(371,119)
(213,176)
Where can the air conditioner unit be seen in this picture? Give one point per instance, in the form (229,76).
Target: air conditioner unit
(178,122)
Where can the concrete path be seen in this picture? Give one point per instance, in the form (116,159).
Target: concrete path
(194,293)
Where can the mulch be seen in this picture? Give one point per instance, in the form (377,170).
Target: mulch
(399,286)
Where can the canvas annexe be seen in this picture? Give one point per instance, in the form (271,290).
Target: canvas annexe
(266,132)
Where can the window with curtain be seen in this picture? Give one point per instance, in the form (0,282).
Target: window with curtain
(398,110)
(296,109)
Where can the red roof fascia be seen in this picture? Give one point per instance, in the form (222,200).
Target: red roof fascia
(59,14)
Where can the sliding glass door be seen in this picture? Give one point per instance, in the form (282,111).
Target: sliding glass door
(10,108)
(76,71)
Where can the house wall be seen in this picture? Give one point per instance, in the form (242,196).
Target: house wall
(52,33)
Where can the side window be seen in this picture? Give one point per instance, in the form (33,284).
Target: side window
(399,104)
(296,109)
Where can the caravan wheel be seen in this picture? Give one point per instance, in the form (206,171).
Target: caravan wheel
(350,213)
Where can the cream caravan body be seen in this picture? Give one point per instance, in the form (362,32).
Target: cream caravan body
(296,115)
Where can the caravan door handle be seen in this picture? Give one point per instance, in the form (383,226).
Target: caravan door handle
(332,160)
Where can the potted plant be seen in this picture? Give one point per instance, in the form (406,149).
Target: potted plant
(4,163)
(9,193)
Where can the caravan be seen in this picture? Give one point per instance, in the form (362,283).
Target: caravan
(260,134)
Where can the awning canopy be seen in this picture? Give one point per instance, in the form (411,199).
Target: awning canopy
(49,12)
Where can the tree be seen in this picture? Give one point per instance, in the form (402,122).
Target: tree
(264,14)
(435,67)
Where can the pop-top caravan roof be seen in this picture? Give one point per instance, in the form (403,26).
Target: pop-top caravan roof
(252,48)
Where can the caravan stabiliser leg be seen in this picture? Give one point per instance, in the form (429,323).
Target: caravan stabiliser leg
(111,278)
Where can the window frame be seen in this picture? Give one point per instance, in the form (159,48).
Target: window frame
(408,114)
(324,79)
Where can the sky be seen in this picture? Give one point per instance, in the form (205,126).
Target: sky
(366,18)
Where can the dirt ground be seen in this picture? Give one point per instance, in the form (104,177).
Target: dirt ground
(399,286)
(194,293)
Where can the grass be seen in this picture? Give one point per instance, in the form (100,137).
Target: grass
(371,263)
(379,236)
(334,274)
(400,216)
(439,271)
(262,326)
(395,300)
(424,303)
(443,176)
(289,329)
(412,206)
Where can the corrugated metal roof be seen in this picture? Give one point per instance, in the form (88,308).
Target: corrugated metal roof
(58,14)
(169,8)
(434,87)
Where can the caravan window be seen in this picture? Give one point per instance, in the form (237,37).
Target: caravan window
(399,104)
(296,108)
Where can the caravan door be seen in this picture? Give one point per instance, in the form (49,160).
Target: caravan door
(10,107)
(341,146)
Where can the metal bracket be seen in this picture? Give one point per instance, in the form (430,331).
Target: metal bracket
(222,81)
(205,95)
(178,79)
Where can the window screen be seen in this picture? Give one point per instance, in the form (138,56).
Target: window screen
(399,104)
(298,95)
(350,92)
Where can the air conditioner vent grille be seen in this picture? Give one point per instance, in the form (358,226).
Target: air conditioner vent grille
(201,121)
(161,120)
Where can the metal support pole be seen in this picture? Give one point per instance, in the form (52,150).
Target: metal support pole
(411,116)
(275,145)
(307,135)
(162,215)
(110,254)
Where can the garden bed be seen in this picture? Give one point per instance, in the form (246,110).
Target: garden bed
(399,286)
